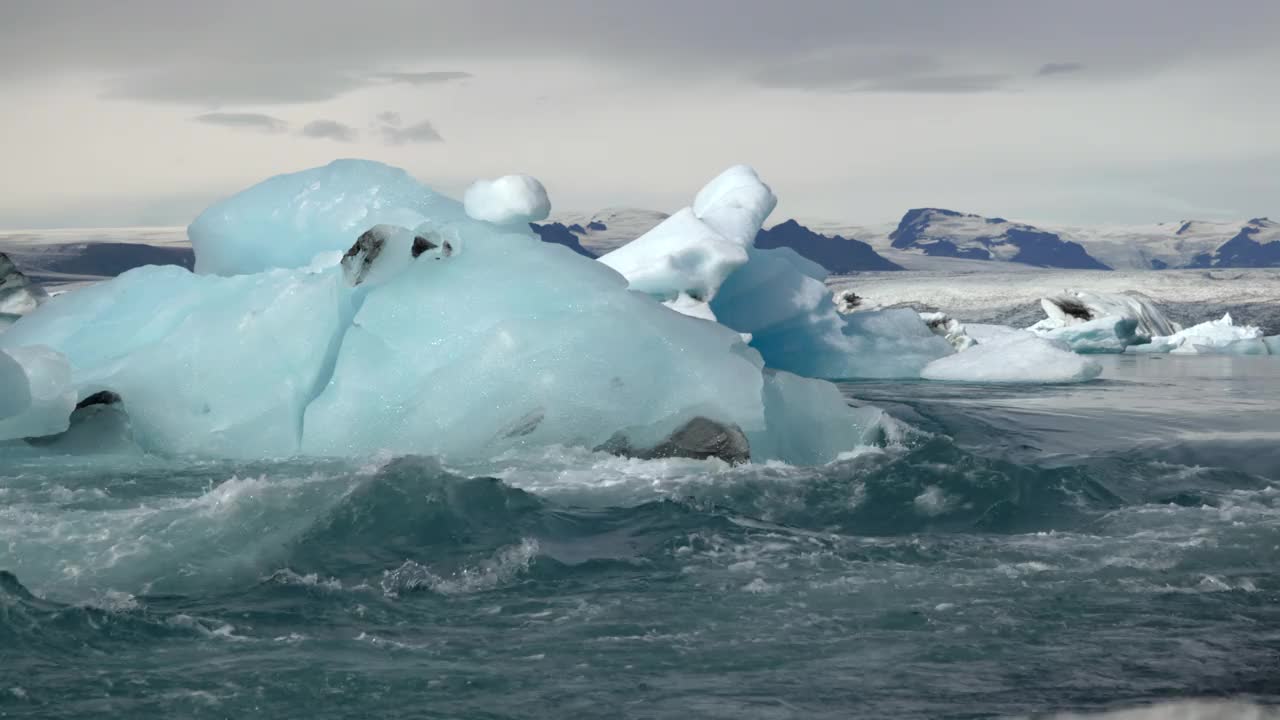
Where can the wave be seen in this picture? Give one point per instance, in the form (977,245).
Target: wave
(412,523)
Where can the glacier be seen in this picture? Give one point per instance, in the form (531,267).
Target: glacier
(348,310)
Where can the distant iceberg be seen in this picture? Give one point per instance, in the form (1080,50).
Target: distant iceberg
(18,295)
(1091,322)
(1014,357)
(1220,336)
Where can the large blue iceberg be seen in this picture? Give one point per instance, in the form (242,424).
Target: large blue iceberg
(348,310)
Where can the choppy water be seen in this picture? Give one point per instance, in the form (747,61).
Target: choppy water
(1052,549)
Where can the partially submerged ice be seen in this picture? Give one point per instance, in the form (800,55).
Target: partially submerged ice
(702,262)
(348,310)
(1091,322)
(1080,306)
(1220,336)
(1014,357)
(18,295)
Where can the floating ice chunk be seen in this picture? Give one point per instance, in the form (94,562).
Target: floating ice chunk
(1074,307)
(1215,336)
(18,295)
(1110,334)
(1014,358)
(948,328)
(36,395)
(1273,344)
(735,204)
(507,200)
(681,256)
(285,221)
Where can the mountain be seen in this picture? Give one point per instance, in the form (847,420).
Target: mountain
(946,233)
(562,234)
(611,228)
(1257,245)
(835,253)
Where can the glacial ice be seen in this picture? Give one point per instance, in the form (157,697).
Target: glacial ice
(701,261)
(1101,322)
(18,295)
(507,200)
(1109,334)
(1014,357)
(36,397)
(950,329)
(1220,336)
(435,333)
(682,256)
(735,204)
(287,220)
(1075,307)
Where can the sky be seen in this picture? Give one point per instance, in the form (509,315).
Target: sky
(142,112)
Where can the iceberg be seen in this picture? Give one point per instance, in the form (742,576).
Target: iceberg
(1220,336)
(1075,307)
(701,261)
(348,310)
(18,295)
(1109,334)
(1014,357)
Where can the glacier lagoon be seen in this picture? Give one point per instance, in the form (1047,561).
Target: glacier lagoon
(893,548)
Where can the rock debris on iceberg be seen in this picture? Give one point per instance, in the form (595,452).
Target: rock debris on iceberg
(347,310)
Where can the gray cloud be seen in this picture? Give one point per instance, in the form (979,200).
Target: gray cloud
(390,117)
(423,132)
(1059,68)
(971,83)
(233,84)
(329,130)
(296,53)
(247,121)
(422,78)
(856,70)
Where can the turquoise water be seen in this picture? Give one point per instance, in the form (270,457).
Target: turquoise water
(1047,549)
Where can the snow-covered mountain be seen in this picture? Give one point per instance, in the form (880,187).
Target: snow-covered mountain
(609,230)
(947,233)
(935,239)
(834,252)
(1256,245)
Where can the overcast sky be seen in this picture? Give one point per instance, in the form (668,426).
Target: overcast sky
(135,112)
